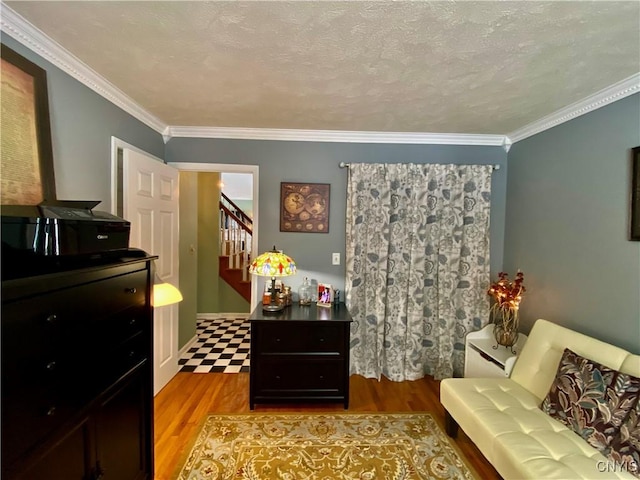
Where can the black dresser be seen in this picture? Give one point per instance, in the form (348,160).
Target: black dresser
(77,396)
(300,355)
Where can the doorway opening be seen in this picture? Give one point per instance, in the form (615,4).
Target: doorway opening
(230,171)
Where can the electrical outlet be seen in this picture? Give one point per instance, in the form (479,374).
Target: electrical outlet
(335,259)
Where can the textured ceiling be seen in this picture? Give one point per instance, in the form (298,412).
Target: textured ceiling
(441,67)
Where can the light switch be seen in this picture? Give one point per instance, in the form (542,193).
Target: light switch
(335,259)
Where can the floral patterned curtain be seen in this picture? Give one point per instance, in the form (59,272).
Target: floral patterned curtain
(417,266)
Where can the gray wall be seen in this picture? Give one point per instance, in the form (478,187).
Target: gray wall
(318,163)
(567,224)
(82,123)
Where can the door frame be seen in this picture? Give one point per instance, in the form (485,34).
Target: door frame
(116,145)
(233,168)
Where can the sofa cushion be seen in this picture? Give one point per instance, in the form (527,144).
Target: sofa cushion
(591,399)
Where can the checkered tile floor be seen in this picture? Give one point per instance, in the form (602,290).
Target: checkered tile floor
(222,346)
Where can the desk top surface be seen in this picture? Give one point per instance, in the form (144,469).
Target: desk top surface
(296,312)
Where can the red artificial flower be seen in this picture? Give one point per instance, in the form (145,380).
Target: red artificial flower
(507,293)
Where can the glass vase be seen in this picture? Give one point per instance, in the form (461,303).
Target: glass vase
(505,328)
(305,293)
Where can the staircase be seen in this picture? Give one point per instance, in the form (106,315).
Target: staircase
(235,246)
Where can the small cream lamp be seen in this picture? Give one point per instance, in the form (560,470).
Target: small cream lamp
(164,293)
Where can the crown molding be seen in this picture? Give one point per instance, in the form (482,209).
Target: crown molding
(293,135)
(22,31)
(604,97)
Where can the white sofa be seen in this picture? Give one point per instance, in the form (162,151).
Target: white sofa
(502,415)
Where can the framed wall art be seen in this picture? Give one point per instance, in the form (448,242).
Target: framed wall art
(634,221)
(304,207)
(26,153)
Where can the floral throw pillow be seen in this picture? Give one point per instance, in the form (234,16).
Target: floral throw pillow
(591,399)
(625,447)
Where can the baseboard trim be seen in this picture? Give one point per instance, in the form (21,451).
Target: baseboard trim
(188,345)
(215,316)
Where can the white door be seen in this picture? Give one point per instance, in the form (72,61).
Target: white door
(150,203)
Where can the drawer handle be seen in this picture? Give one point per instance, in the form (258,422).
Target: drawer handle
(51,412)
(51,365)
(53,318)
(131,290)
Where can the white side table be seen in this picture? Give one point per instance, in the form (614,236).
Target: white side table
(483,360)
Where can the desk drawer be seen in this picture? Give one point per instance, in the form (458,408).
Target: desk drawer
(280,337)
(296,375)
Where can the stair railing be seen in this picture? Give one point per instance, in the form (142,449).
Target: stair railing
(230,204)
(235,235)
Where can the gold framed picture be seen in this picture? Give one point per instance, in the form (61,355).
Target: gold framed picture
(27,155)
(304,207)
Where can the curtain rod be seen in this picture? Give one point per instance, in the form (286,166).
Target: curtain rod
(347,165)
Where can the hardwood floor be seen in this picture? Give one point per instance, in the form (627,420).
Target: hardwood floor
(182,405)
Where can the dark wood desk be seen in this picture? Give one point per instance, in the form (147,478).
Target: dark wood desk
(300,355)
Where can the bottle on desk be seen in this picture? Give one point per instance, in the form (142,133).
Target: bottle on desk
(305,293)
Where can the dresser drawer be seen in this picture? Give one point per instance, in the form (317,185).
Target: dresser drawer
(104,353)
(126,356)
(299,375)
(40,346)
(280,337)
(37,405)
(110,332)
(68,316)
(89,304)
(31,411)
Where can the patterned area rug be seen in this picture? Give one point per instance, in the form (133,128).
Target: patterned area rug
(323,447)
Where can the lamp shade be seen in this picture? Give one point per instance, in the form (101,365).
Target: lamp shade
(273,264)
(164,293)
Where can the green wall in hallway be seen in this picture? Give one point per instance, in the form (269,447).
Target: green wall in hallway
(208,241)
(231,301)
(188,256)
